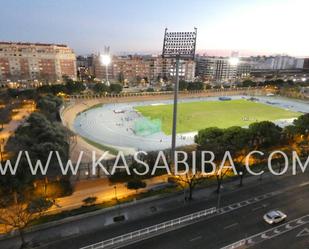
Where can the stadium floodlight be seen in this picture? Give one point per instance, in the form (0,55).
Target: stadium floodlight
(106,60)
(178,46)
(234,61)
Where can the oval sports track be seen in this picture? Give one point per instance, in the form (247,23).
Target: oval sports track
(113,124)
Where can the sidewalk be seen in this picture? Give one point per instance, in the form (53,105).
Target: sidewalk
(101,188)
(91,222)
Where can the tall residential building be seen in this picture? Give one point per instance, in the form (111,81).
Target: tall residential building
(306,64)
(214,69)
(138,69)
(36,62)
(279,62)
(84,65)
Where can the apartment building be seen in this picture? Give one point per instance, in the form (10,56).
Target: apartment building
(27,63)
(212,69)
(278,62)
(143,69)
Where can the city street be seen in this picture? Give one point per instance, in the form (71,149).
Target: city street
(225,229)
(213,232)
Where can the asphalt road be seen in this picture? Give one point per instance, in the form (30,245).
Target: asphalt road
(217,231)
(214,232)
(225,229)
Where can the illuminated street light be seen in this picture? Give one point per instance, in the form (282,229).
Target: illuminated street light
(179,46)
(106,60)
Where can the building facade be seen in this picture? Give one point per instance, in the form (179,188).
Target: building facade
(306,64)
(84,65)
(143,69)
(212,69)
(279,62)
(27,63)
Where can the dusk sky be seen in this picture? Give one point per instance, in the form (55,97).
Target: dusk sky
(249,26)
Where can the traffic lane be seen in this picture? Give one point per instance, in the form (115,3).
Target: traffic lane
(122,228)
(294,239)
(225,229)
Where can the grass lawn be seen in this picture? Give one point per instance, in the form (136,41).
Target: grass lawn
(194,116)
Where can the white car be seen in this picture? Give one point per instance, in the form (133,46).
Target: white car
(274,217)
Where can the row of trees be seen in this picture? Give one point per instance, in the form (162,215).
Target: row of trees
(70,87)
(190,86)
(102,88)
(262,136)
(277,83)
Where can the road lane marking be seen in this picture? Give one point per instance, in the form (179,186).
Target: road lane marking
(230,226)
(273,232)
(260,207)
(196,238)
(225,210)
(303,233)
(303,184)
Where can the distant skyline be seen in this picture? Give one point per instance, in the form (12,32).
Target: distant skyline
(137,26)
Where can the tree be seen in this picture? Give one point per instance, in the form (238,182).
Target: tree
(101,88)
(302,124)
(209,138)
(183,85)
(73,87)
(219,141)
(138,79)
(236,140)
(5,115)
(39,137)
(50,105)
(121,77)
(150,90)
(19,216)
(115,88)
(189,180)
(248,83)
(264,134)
(195,86)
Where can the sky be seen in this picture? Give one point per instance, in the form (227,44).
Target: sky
(137,26)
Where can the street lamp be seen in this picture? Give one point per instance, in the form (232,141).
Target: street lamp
(115,189)
(106,60)
(1,149)
(178,46)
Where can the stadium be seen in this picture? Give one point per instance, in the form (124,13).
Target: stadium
(146,125)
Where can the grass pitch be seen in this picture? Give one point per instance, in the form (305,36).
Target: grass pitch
(194,116)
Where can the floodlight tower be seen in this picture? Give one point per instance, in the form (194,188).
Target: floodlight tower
(106,60)
(178,46)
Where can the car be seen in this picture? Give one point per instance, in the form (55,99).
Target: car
(274,217)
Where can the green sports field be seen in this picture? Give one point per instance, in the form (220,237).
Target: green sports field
(194,116)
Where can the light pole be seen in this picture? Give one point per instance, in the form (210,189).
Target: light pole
(1,149)
(1,155)
(115,189)
(106,60)
(178,46)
